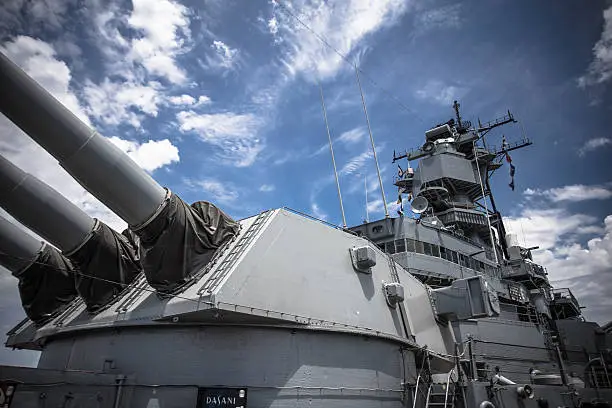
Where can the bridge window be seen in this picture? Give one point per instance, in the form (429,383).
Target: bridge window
(400,245)
(410,245)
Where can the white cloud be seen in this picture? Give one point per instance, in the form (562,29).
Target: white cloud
(266,188)
(355,163)
(586,268)
(114,103)
(224,193)
(26,154)
(546,227)
(440,92)
(317,212)
(233,133)
(375,206)
(38,59)
(442,17)
(188,100)
(182,100)
(600,69)
(349,137)
(344,25)
(19,15)
(593,144)
(163,25)
(352,136)
(151,155)
(225,57)
(273,25)
(203,100)
(128,92)
(574,193)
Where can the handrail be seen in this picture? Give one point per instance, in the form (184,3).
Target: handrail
(416,391)
(450,373)
(428,395)
(329,224)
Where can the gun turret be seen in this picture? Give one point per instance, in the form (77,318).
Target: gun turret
(106,260)
(177,240)
(36,265)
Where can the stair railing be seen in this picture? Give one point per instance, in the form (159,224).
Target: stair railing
(450,373)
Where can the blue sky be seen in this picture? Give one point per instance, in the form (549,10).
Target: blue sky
(219,101)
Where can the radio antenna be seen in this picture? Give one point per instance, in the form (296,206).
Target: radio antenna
(365,187)
(331,150)
(365,111)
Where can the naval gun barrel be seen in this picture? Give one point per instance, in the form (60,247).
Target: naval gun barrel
(42,209)
(93,161)
(106,261)
(18,249)
(177,240)
(37,266)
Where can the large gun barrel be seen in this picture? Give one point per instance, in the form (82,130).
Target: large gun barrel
(106,260)
(41,208)
(36,265)
(177,239)
(18,249)
(95,163)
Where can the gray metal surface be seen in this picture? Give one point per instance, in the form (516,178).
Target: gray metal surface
(41,208)
(98,165)
(300,313)
(284,275)
(18,249)
(281,367)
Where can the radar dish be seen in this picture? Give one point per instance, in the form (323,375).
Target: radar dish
(428,147)
(419,204)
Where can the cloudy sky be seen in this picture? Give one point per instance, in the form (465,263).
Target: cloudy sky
(219,100)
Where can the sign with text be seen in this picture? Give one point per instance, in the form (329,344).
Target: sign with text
(222,398)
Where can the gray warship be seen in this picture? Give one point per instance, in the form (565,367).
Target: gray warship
(189,308)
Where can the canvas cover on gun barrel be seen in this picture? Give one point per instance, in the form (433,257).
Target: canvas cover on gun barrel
(107,262)
(46,285)
(180,240)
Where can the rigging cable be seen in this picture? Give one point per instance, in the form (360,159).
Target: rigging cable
(345,58)
(484,200)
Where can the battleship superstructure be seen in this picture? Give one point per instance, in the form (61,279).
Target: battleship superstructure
(189,308)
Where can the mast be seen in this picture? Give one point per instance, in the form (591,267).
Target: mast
(459,199)
(331,150)
(365,187)
(365,111)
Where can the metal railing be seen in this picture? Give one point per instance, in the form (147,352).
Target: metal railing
(564,293)
(448,387)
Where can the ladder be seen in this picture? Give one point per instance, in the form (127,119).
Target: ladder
(441,395)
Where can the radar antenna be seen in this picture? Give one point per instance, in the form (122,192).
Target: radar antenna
(419,205)
(456,106)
